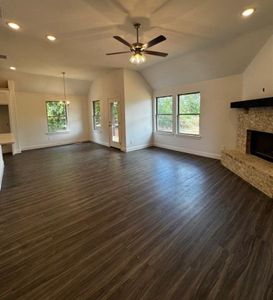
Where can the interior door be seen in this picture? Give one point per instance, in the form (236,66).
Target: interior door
(114,123)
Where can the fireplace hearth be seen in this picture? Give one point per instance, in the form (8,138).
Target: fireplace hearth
(252,159)
(260,144)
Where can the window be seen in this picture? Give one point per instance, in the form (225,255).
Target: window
(96,115)
(164,114)
(56,112)
(189,113)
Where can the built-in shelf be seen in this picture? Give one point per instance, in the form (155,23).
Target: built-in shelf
(262,102)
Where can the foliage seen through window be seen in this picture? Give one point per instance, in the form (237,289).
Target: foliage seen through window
(56,116)
(96,115)
(164,114)
(189,113)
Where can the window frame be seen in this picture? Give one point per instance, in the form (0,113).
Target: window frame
(157,114)
(192,114)
(94,115)
(66,117)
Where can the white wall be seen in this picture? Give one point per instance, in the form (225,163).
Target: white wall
(138,111)
(218,121)
(259,74)
(33,83)
(105,88)
(32,122)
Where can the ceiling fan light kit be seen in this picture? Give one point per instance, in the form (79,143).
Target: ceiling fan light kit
(139,49)
(137,58)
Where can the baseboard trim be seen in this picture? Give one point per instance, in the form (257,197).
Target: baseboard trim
(33,147)
(189,151)
(139,147)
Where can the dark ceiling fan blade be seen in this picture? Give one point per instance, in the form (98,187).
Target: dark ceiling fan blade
(155,53)
(113,53)
(155,41)
(3,56)
(120,39)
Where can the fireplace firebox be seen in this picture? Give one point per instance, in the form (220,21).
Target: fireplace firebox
(260,144)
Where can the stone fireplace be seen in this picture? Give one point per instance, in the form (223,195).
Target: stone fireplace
(252,159)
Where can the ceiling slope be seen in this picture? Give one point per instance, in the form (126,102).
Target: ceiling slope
(223,59)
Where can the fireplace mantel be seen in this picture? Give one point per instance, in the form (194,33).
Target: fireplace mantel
(262,102)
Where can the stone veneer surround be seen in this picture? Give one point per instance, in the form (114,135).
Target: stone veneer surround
(260,119)
(254,170)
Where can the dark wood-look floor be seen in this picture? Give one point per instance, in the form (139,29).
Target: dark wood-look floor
(88,222)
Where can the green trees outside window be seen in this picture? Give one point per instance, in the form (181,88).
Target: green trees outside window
(189,113)
(164,114)
(56,112)
(96,114)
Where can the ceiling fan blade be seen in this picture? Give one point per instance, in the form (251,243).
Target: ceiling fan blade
(3,56)
(155,53)
(113,53)
(155,41)
(120,39)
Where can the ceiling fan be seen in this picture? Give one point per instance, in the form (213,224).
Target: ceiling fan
(3,56)
(139,49)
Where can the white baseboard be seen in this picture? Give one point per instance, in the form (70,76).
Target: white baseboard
(190,151)
(138,147)
(33,147)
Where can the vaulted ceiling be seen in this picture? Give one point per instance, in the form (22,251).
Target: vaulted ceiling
(84,30)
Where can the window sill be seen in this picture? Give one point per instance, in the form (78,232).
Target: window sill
(58,132)
(164,133)
(195,136)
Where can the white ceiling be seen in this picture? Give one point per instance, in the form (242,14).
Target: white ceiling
(84,30)
(227,58)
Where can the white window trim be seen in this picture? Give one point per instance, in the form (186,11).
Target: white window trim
(195,136)
(58,132)
(190,135)
(160,132)
(67,130)
(175,132)
(99,129)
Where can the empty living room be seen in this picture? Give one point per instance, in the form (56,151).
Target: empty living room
(136,149)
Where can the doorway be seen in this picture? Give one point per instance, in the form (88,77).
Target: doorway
(114,123)
(5,125)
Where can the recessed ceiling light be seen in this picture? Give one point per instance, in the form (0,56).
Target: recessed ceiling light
(51,38)
(12,68)
(248,12)
(13,26)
